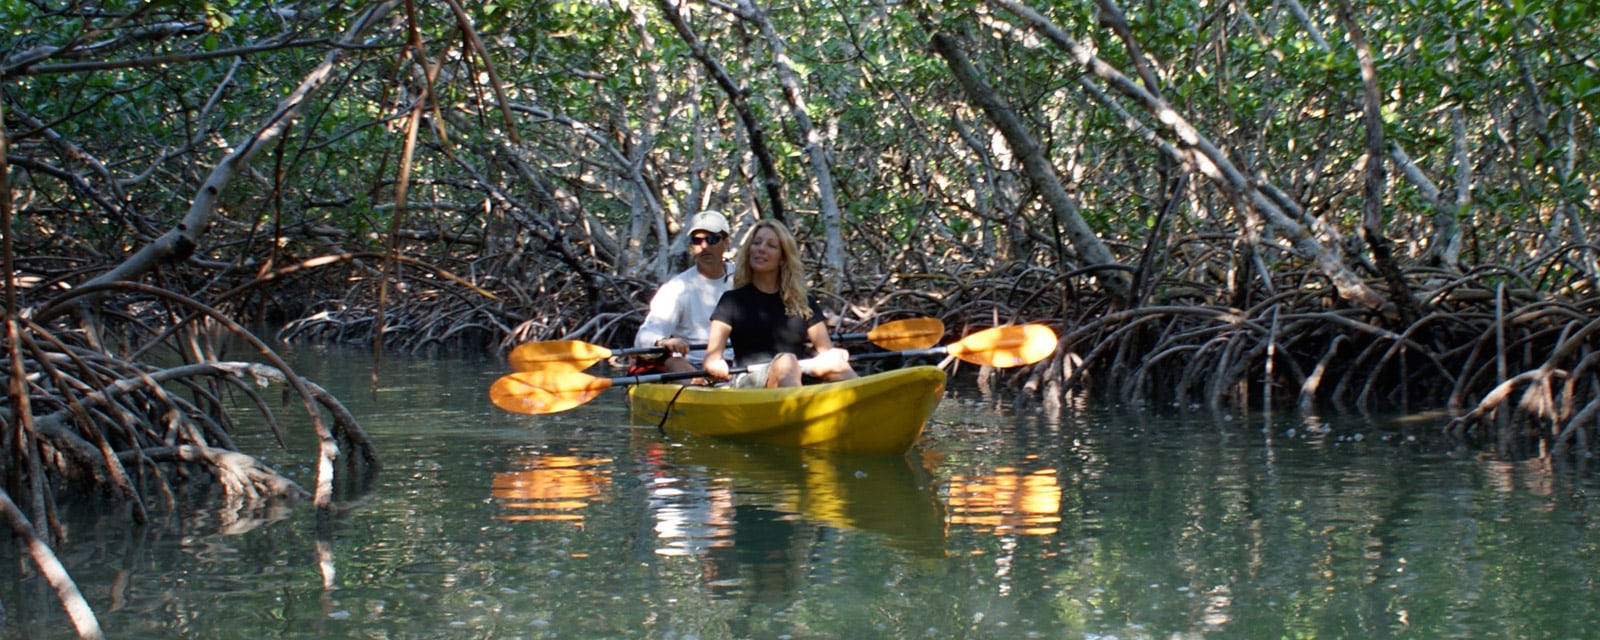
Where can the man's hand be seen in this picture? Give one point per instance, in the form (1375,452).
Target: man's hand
(674,345)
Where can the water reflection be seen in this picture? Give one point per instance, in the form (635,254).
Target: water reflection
(701,485)
(690,513)
(1008,501)
(765,559)
(753,515)
(747,516)
(551,487)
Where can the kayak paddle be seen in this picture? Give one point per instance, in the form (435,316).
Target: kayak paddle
(555,390)
(1000,347)
(576,355)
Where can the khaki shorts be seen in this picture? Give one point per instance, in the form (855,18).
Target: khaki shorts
(755,376)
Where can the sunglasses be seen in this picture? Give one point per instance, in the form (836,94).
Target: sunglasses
(710,241)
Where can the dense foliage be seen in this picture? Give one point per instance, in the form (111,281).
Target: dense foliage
(1373,207)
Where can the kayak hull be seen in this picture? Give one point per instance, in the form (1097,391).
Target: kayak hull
(881,414)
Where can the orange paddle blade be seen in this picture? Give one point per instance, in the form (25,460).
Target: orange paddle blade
(908,334)
(563,355)
(545,392)
(1004,347)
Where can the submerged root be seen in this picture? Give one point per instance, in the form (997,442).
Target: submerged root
(82,420)
(242,477)
(78,610)
(125,417)
(95,419)
(1529,359)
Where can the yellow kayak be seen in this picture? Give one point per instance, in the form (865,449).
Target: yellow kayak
(878,414)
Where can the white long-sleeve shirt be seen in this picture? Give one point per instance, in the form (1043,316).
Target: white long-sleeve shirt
(682,307)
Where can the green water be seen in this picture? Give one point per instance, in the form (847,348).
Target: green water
(1087,524)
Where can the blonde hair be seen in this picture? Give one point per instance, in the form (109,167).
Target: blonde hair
(791,273)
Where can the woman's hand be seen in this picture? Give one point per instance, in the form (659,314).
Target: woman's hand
(717,369)
(833,364)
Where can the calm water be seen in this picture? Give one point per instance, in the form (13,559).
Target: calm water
(1090,524)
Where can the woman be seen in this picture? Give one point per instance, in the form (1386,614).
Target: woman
(769,317)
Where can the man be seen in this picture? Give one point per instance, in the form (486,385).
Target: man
(680,311)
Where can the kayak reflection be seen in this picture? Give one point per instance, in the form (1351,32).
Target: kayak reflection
(705,491)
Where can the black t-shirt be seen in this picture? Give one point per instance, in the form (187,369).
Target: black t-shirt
(762,329)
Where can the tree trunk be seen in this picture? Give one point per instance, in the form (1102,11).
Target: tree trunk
(179,243)
(1375,179)
(741,104)
(1444,249)
(1038,168)
(816,151)
(1215,163)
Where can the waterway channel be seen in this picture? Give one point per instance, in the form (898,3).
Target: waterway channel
(1002,523)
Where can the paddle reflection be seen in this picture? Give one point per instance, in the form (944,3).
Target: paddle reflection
(551,487)
(1009,501)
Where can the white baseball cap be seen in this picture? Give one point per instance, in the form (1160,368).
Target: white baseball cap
(709,220)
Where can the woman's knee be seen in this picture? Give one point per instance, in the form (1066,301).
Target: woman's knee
(784,371)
